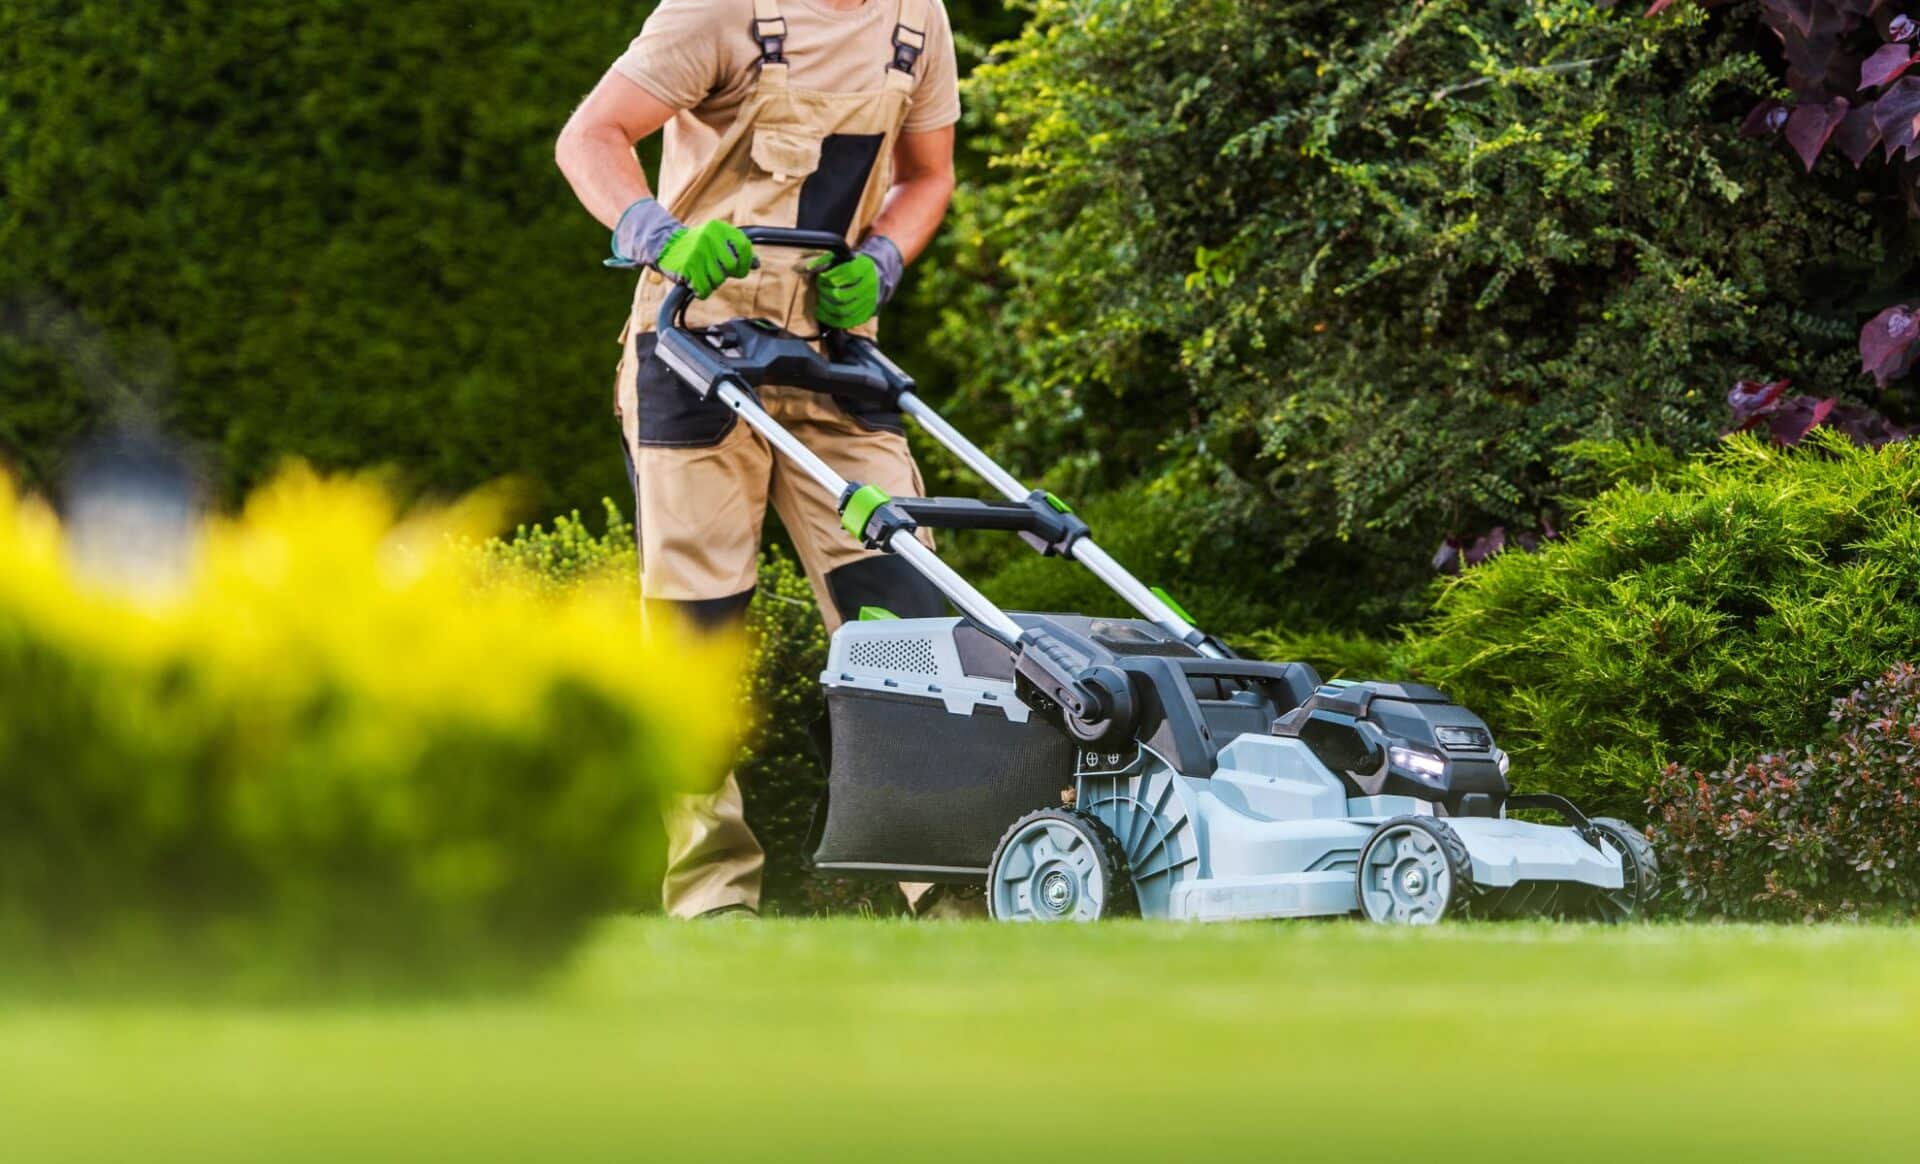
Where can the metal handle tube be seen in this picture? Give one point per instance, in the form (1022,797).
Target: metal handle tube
(776,434)
(1085,551)
(959,591)
(958,444)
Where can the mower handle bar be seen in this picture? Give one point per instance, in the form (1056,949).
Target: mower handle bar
(674,309)
(970,601)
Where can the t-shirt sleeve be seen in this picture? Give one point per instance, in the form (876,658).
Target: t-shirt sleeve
(936,99)
(680,53)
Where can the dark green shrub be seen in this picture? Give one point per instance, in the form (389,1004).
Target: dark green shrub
(331,230)
(1708,615)
(1831,831)
(327,763)
(1357,271)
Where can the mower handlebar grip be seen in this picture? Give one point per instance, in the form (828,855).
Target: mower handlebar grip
(673,308)
(791,238)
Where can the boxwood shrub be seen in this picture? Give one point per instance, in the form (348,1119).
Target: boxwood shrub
(327,761)
(1698,614)
(1348,276)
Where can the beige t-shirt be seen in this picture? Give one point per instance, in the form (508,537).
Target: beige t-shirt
(699,57)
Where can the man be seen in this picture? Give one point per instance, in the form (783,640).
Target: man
(831,115)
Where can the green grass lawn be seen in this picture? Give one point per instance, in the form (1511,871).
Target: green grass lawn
(897,1041)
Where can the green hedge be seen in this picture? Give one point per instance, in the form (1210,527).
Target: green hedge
(1345,276)
(332,230)
(1703,616)
(328,763)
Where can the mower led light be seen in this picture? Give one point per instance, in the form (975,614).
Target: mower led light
(1425,765)
(1503,760)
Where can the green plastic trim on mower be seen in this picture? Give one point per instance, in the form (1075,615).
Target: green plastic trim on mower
(1178,609)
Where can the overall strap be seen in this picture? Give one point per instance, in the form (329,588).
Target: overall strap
(909,36)
(770,33)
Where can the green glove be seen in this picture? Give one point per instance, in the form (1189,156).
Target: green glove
(706,256)
(848,294)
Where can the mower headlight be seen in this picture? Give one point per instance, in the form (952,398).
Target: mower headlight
(1414,762)
(1503,761)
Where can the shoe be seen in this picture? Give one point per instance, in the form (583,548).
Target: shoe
(729,913)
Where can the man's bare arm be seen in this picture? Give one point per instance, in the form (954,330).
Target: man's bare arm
(595,150)
(922,188)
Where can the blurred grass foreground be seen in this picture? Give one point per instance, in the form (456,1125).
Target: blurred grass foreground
(328,756)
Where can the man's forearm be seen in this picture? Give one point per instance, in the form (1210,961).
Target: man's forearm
(600,165)
(913,211)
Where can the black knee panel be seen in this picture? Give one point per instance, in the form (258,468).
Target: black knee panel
(888,583)
(708,614)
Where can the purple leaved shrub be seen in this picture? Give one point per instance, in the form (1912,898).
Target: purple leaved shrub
(1788,418)
(1849,69)
(1832,831)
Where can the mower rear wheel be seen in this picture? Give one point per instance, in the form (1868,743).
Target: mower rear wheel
(1058,865)
(1414,871)
(1640,865)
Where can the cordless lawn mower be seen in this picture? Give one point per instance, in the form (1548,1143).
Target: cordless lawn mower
(1087,767)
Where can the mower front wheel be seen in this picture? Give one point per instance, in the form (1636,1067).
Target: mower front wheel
(1058,865)
(1414,871)
(1640,867)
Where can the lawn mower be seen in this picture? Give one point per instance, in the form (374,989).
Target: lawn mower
(1082,767)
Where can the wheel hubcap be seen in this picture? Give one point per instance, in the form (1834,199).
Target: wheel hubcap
(1049,871)
(1404,878)
(1056,891)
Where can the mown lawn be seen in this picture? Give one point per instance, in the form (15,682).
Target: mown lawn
(896,1041)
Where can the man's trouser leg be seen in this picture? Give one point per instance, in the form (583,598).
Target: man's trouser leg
(700,483)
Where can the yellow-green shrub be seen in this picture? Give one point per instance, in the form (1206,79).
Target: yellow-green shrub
(331,759)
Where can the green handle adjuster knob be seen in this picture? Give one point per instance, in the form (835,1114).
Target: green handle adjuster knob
(858,511)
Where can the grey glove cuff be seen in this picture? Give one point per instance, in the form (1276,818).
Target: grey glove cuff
(643,232)
(887,257)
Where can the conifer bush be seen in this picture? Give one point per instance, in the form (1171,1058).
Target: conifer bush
(328,761)
(1708,611)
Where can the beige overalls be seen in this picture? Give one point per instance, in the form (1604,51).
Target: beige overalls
(703,480)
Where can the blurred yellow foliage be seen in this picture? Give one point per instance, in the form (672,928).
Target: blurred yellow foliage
(333,744)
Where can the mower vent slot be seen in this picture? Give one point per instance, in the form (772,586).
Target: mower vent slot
(906,656)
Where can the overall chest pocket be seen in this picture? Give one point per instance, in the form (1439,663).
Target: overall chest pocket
(785,156)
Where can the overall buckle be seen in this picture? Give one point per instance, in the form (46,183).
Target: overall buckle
(908,44)
(772,38)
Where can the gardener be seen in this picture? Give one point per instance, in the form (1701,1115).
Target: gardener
(831,115)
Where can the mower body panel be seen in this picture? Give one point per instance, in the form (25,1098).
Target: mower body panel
(1507,852)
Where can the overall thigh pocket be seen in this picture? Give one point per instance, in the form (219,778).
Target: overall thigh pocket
(672,415)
